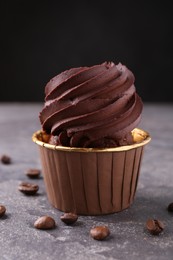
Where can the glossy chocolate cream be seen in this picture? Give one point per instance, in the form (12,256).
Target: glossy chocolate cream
(92,107)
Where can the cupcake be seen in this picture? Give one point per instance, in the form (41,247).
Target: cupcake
(90,146)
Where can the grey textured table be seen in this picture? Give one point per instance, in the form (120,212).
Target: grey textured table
(128,239)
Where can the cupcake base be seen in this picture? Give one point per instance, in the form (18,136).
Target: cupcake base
(90,181)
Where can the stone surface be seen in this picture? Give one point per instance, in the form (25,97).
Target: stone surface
(128,240)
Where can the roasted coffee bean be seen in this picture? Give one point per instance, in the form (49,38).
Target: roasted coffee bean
(45,222)
(154,226)
(170,207)
(33,173)
(69,218)
(2,210)
(100,232)
(28,188)
(5,159)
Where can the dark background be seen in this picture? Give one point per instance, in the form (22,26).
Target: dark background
(40,39)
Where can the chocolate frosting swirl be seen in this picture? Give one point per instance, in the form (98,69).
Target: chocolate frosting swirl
(92,106)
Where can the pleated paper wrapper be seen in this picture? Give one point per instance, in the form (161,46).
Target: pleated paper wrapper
(89,181)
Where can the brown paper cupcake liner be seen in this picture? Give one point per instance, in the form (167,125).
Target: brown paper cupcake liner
(91,181)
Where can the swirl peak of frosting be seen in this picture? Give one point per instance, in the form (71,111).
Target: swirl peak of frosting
(93,106)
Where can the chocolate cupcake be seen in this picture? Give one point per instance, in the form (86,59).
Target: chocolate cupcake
(90,147)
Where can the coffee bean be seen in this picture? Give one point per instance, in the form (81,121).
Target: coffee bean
(45,222)
(28,188)
(33,173)
(154,226)
(2,210)
(100,232)
(5,159)
(170,207)
(69,218)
